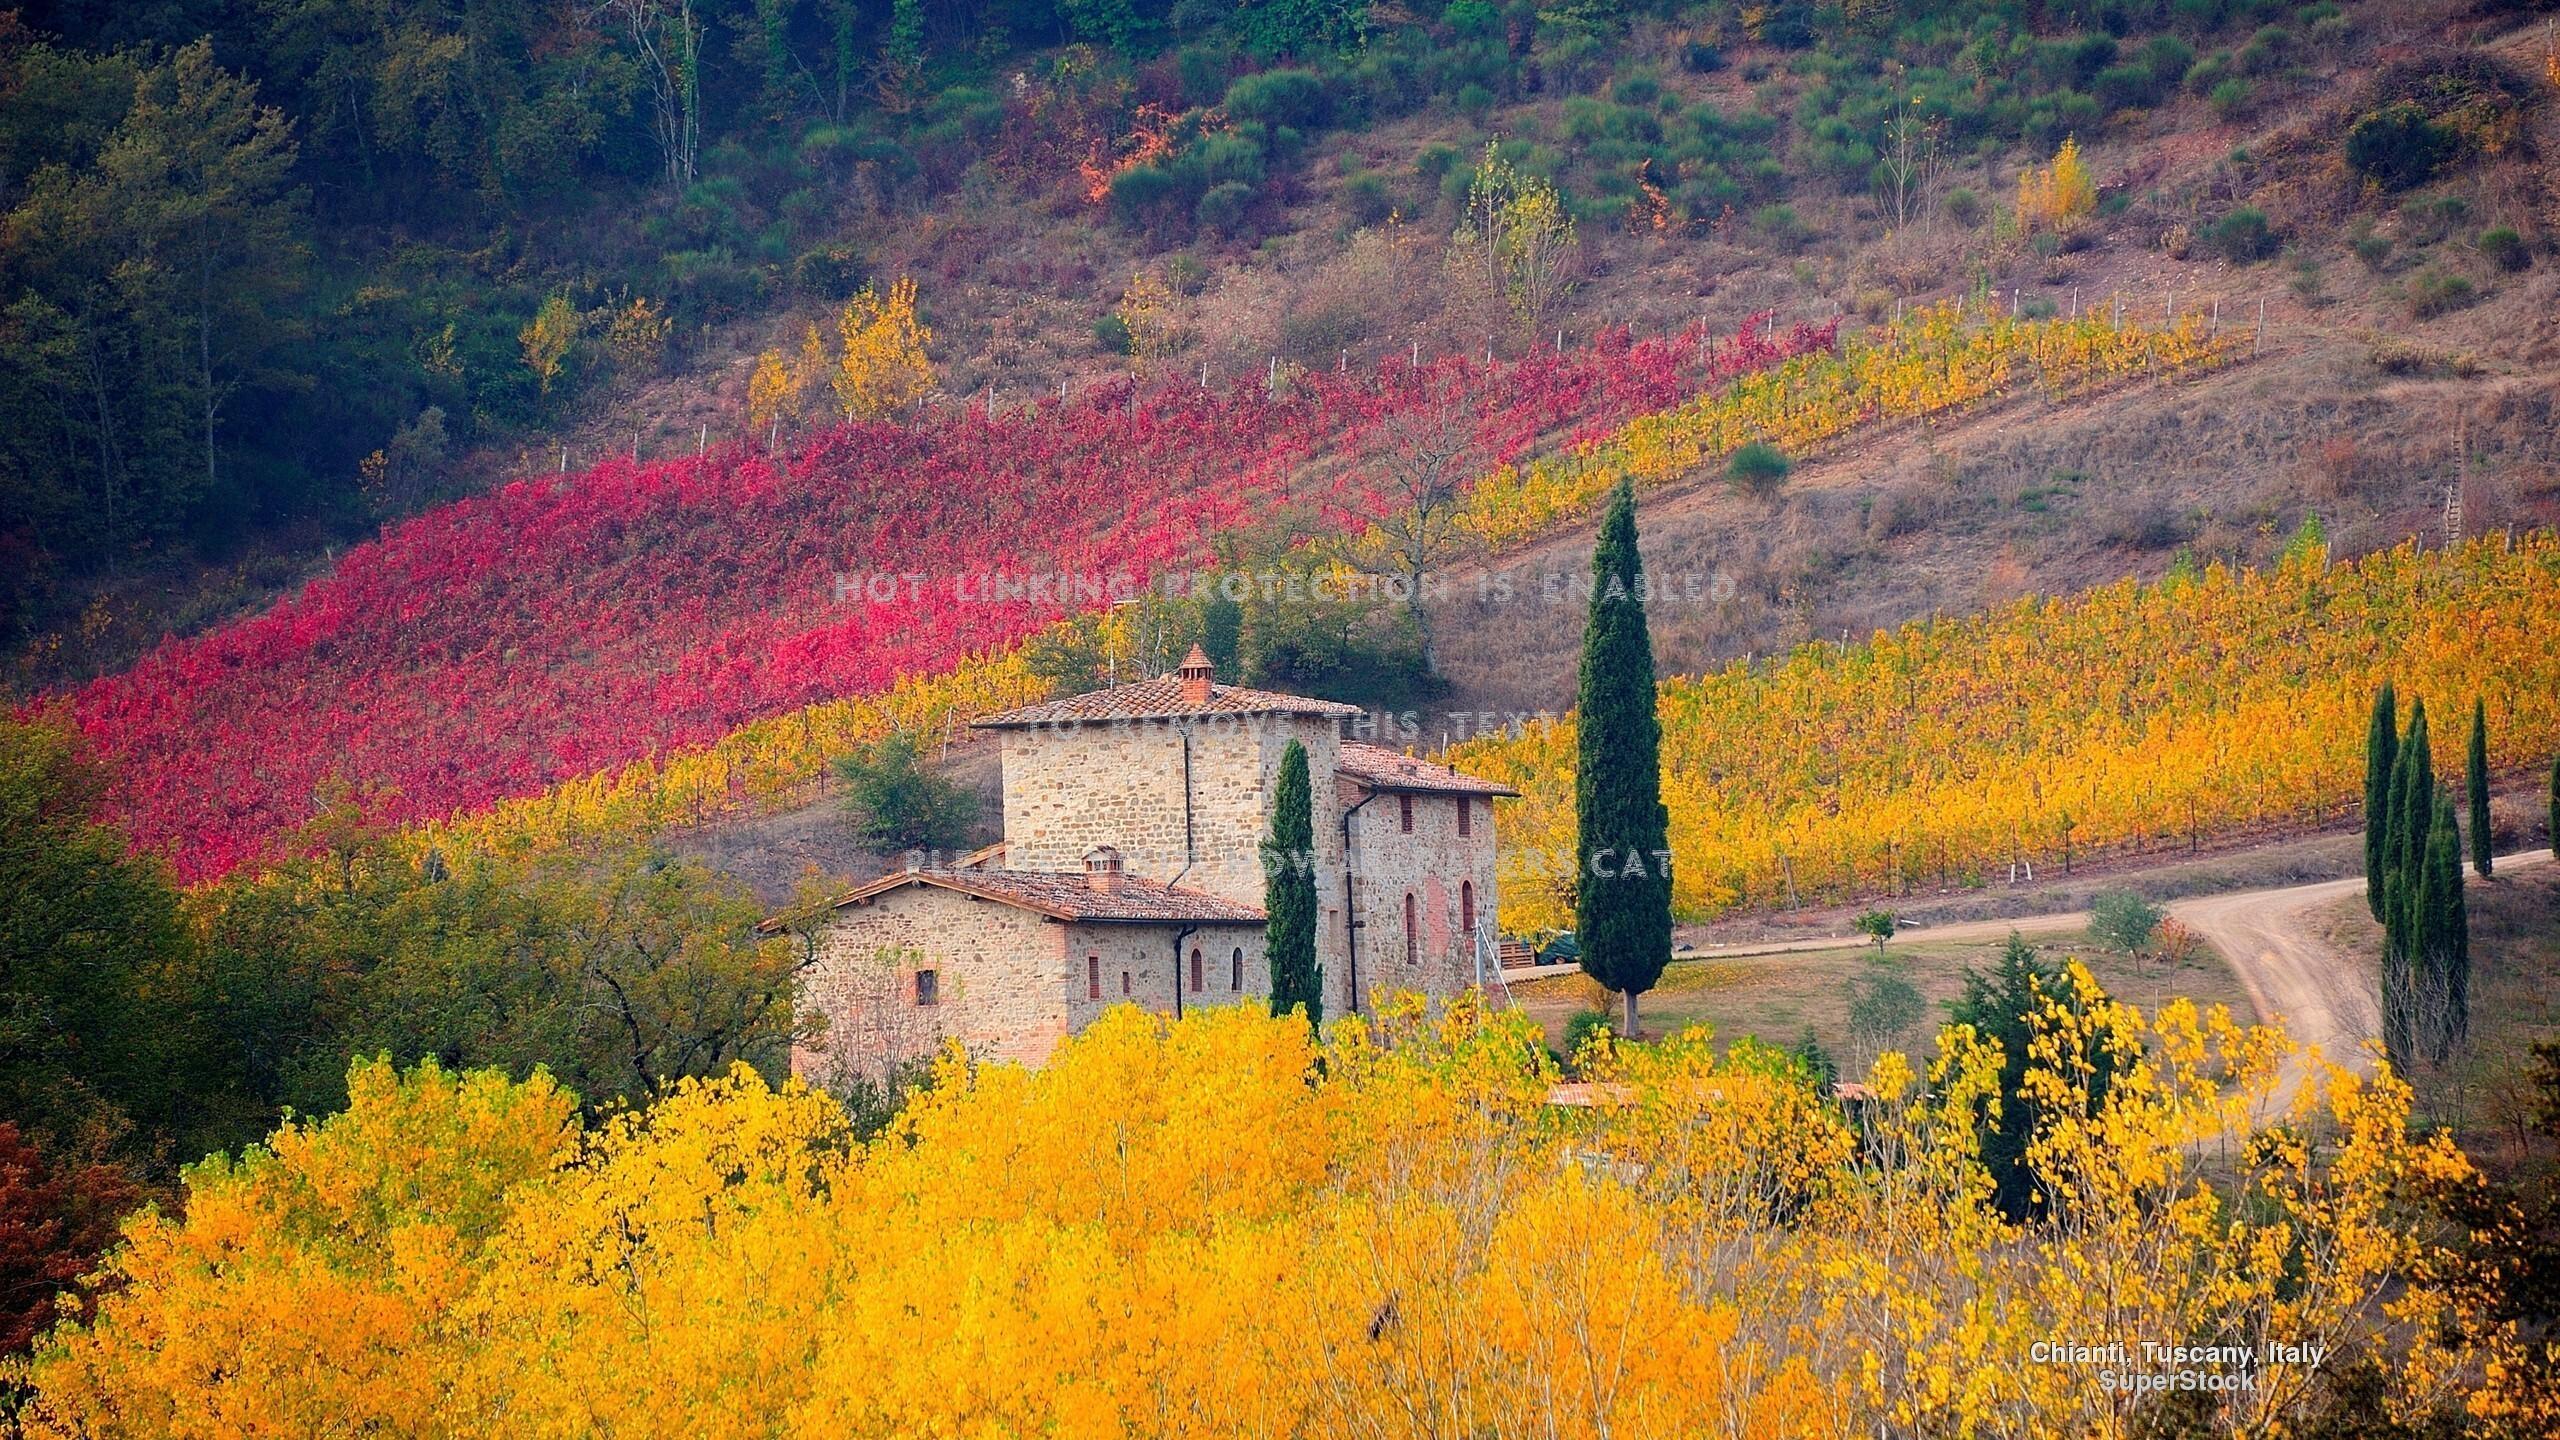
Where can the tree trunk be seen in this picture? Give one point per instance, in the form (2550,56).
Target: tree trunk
(1630,997)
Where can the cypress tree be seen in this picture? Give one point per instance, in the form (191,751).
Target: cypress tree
(2411,816)
(2475,781)
(2413,802)
(1289,892)
(2441,946)
(1623,882)
(2381,747)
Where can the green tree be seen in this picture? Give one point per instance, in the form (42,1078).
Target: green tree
(2381,750)
(895,801)
(1289,892)
(1221,628)
(1818,1065)
(2441,941)
(1881,1009)
(2123,920)
(2475,779)
(2002,1007)
(1879,926)
(1623,879)
(2412,817)
(104,1003)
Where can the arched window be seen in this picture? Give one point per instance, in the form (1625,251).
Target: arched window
(1467,907)
(1235,972)
(928,987)
(1412,930)
(1195,969)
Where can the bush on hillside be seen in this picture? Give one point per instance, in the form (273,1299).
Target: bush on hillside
(2242,237)
(1758,469)
(896,802)
(2434,292)
(2398,146)
(2504,248)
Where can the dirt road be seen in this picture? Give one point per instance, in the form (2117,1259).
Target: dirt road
(2325,999)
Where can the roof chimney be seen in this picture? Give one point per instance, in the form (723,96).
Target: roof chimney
(1102,871)
(1196,673)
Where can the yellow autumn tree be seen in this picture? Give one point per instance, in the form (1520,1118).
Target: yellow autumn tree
(2055,196)
(1219,1226)
(549,337)
(882,368)
(1153,319)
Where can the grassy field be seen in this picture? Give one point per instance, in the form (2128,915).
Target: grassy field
(1775,997)
(2482,1093)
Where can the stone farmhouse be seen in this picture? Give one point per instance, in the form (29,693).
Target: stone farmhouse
(1131,873)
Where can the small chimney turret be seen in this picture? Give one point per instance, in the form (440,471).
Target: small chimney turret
(1102,871)
(1197,676)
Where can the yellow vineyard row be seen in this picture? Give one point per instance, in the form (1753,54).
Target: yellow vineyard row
(1927,364)
(2129,716)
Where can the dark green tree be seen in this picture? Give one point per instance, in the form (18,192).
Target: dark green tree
(1623,881)
(2381,749)
(2404,858)
(2475,782)
(1289,892)
(2440,939)
(897,802)
(104,1004)
(2002,1007)
(1221,630)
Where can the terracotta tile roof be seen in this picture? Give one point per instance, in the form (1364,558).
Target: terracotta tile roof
(1160,699)
(1380,768)
(1067,896)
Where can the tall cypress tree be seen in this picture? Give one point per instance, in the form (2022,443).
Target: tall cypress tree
(2413,803)
(2441,944)
(2411,816)
(1289,892)
(2381,747)
(2475,782)
(1623,884)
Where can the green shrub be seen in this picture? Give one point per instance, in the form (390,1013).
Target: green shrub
(2241,237)
(1367,197)
(1701,58)
(1473,100)
(1435,160)
(1778,225)
(2505,248)
(895,801)
(1758,469)
(1963,206)
(2434,292)
(2371,248)
(830,272)
(1279,97)
(1111,333)
(2397,146)
(1586,1027)
(2231,99)
(1472,19)
(1222,208)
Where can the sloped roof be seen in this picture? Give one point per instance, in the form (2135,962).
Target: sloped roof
(1380,768)
(1161,699)
(1065,896)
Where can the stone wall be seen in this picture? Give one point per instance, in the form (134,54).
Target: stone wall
(1432,864)
(1001,974)
(1136,966)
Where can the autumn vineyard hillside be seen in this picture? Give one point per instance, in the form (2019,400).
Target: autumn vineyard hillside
(569,625)
(2134,716)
